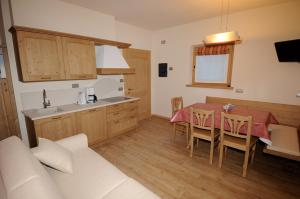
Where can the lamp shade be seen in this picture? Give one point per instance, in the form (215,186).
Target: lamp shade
(220,38)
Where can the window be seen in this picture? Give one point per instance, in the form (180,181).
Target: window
(212,66)
(2,69)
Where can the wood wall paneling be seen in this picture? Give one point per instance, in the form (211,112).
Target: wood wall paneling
(286,114)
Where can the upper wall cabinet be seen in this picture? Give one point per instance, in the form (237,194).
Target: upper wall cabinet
(79,58)
(44,55)
(40,57)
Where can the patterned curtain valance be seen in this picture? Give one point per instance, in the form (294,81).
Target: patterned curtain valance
(213,50)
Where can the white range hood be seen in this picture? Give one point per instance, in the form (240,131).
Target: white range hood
(109,60)
(110,57)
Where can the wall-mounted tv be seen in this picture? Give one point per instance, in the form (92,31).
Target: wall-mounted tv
(288,51)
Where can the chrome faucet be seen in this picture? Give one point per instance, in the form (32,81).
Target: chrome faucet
(45,104)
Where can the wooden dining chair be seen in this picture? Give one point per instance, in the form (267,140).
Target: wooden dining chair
(234,139)
(177,104)
(199,129)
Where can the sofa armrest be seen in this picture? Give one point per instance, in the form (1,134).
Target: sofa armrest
(74,142)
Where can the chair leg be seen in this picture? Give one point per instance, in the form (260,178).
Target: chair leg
(253,153)
(245,165)
(192,146)
(187,137)
(221,154)
(225,152)
(211,155)
(174,132)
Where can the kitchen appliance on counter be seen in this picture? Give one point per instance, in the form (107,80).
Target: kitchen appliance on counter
(90,95)
(81,98)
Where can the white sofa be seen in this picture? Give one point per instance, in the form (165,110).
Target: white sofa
(24,177)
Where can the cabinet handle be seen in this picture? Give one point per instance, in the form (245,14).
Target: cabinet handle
(132,102)
(93,110)
(116,121)
(132,117)
(83,76)
(45,77)
(130,89)
(56,118)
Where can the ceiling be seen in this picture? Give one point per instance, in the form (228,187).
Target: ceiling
(159,14)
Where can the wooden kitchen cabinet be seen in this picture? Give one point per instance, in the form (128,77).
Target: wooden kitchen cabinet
(40,57)
(93,123)
(56,128)
(139,83)
(99,124)
(121,118)
(47,56)
(79,58)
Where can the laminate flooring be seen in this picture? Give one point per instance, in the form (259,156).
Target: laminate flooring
(151,157)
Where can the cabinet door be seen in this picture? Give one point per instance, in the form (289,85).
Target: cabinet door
(56,128)
(93,124)
(79,58)
(40,57)
(139,83)
(121,118)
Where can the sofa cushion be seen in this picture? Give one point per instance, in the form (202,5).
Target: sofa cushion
(53,155)
(2,189)
(93,177)
(130,189)
(22,174)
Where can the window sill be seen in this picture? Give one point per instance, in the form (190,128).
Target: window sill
(210,86)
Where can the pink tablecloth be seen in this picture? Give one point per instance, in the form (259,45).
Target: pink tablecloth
(261,119)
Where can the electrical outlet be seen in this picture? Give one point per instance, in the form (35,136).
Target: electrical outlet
(121,80)
(170,68)
(75,85)
(163,42)
(120,89)
(298,95)
(239,90)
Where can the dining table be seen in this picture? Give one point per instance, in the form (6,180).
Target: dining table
(260,123)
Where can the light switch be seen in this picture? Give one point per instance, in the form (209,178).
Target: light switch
(75,85)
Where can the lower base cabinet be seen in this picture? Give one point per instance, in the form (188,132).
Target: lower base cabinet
(56,128)
(98,124)
(93,123)
(121,118)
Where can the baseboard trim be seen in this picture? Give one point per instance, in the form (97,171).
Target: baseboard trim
(160,117)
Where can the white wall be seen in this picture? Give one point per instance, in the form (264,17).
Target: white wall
(255,68)
(138,37)
(64,17)
(60,16)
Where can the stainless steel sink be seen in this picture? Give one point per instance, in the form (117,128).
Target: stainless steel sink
(49,111)
(115,99)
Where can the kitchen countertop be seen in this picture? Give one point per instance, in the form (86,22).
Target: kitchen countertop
(36,114)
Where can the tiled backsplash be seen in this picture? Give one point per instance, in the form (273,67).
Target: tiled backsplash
(105,86)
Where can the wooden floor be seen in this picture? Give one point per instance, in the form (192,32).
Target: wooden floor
(149,156)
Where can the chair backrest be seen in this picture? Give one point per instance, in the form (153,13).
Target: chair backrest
(235,123)
(200,118)
(177,103)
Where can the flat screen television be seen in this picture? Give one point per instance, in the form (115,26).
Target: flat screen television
(288,51)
